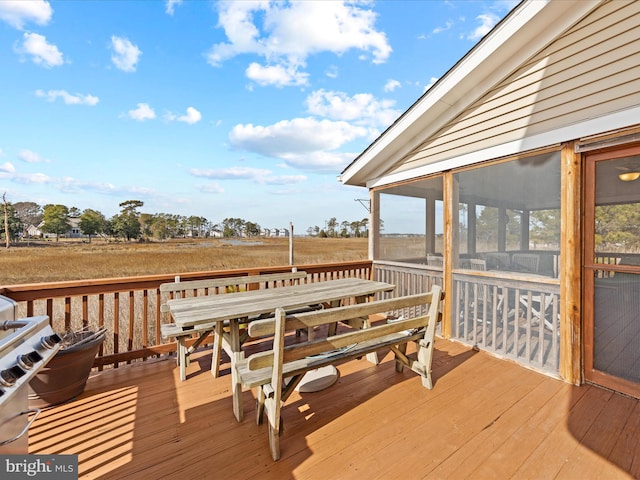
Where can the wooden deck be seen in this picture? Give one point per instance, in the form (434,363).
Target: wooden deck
(485,418)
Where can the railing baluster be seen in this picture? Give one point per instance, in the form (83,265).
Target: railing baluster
(67,314)
(116,324)
(101,324)
(85,311)
(145,320)
(132,304)
(157,317)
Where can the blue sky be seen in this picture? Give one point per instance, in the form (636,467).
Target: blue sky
(216,109)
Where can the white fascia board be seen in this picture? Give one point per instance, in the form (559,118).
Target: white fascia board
(593,126)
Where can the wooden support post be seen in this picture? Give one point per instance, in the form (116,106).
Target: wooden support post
(450,247)
(570,269)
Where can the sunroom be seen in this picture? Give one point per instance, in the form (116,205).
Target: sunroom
(513,183)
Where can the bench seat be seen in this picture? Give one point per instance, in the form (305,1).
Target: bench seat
(255,378)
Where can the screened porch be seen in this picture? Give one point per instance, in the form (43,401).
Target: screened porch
(500,247)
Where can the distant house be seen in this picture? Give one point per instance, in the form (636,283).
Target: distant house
(32,231)
(279,232)
(74,230)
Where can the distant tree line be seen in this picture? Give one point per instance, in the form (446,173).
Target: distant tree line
(131,224)
(334,229)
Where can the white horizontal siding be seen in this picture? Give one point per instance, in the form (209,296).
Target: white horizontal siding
(590,71)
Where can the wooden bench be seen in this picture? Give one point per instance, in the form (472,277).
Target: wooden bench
(225,285)
(267,370)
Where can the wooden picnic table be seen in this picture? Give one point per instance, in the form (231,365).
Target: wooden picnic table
(239,307)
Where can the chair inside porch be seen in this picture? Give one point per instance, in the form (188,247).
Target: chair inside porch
(485,418)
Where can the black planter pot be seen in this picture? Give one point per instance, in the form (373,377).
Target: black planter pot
(66,374)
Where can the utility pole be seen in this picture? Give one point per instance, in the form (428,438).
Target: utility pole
(6,220)
(291,262)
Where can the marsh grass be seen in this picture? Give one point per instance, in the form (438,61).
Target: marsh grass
(39,262)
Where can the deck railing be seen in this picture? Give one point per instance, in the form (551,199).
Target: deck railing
(408,280)
(129,308)
(513,317)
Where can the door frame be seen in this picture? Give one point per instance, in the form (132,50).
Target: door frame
(589,267)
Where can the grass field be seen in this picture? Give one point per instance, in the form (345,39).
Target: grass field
(37,262)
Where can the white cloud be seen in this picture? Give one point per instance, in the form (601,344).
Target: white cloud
(391,85)
(8,172)
(142,113)
(276,75)
(285,179)
(73,185)
(297,136)
(332,72)
(69,99)
(192,116)
(18,12)
(171,5)
(447,26)
(7,167)
(361,108)
(257,175)
(41,52)
(126,55)
(487,22)
(32,157)
(332,162)
(212,187)
(292,31)
(232,173)
(305,143)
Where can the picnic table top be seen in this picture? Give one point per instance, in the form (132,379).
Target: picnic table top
(192,311)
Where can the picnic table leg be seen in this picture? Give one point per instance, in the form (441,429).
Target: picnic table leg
(373,356)
(237,355)
(217,350)
(183,358)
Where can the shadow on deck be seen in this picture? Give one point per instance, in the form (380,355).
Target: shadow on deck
(485,418)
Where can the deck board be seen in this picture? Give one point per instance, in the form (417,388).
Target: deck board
(485,418)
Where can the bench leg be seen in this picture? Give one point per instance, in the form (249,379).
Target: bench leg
(273,407)
(217,350)
(399,365)
(260,406)
(425,353)
(274,441)
(237,355)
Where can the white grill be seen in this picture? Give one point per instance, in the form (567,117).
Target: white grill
(26,345)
